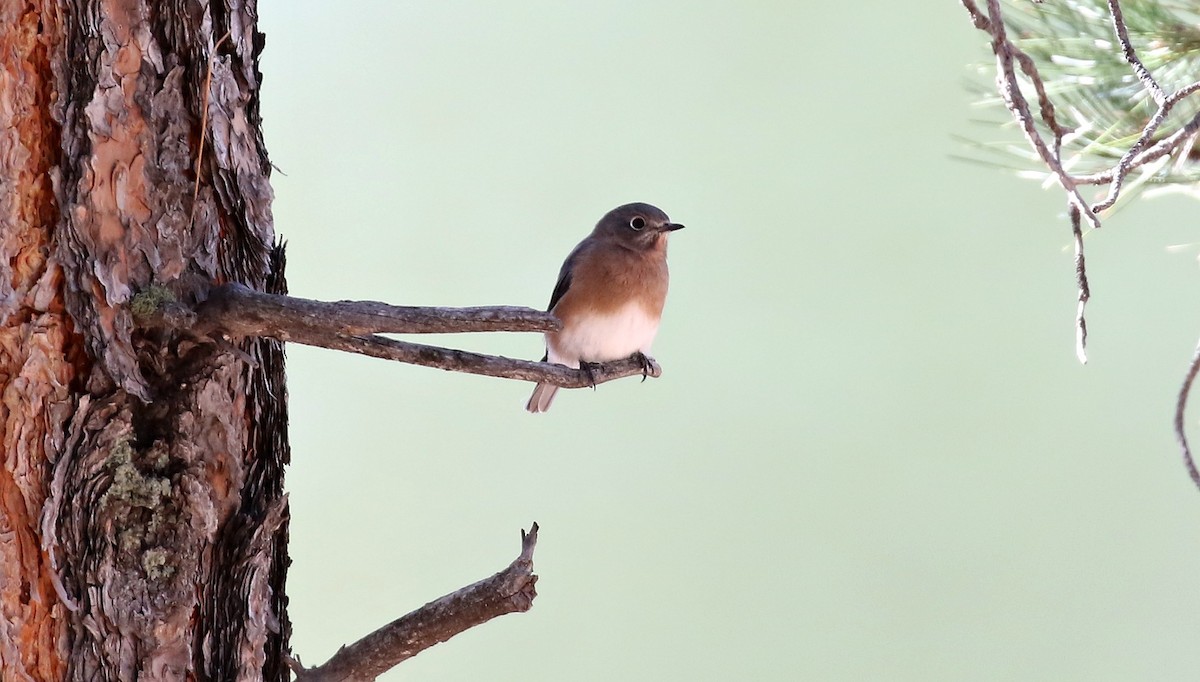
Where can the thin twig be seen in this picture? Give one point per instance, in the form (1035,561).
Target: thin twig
(204,125)
(1082,282)
(977,17)
(1010,91)
(1180,429)
(1045,104)
(1009,86)
(1163,147)
(1143,74)
(1125,164)
(453,360)
(512,590)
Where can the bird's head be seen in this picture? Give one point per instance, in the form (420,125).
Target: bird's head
(636,226)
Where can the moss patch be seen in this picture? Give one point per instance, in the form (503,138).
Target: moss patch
(150,300)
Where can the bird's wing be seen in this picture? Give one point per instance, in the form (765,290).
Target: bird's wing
(564,276)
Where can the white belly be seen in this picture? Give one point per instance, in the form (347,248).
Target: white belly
(601,338)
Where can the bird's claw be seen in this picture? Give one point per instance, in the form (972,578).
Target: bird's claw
(589,368)
(646,362)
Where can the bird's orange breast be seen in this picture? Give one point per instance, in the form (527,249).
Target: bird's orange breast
(608,278)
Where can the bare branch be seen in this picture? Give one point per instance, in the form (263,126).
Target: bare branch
(1045,104)
(1180,427)
(475,363)
(1010,90)
(1163,147)
(512,590)
(977,17)
(236,311)
(1081,279)
(1118,20)
(1118,173)
(240,311)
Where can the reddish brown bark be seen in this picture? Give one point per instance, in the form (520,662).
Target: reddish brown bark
(40,356)
(143,525)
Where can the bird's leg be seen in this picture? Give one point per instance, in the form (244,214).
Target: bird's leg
(646,362)
(589,368)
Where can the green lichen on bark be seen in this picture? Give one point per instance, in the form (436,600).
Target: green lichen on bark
(139,502)
(150,300)
(156,563)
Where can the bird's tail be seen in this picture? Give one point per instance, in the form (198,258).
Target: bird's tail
(543,395)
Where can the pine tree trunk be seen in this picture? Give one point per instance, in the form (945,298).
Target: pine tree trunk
(143,525)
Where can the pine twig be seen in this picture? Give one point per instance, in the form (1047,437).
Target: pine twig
(1143,150)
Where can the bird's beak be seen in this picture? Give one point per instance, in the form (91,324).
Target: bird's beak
(671,227)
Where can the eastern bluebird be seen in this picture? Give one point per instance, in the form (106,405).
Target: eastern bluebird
(610,293)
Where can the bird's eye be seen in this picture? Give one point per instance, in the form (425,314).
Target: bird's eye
(637,222)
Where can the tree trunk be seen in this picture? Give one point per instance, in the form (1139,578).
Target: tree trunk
(143,525)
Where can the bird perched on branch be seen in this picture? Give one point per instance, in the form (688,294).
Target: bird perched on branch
(610,294)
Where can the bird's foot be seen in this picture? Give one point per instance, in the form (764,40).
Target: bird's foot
(646,361)
(589,368)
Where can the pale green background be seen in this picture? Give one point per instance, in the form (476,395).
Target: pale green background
(872,455)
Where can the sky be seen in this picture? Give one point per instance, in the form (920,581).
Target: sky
(872,453)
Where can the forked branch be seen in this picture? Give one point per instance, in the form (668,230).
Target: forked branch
(235,311)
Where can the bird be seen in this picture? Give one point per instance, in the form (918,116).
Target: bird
(610,294)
